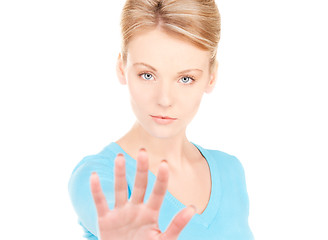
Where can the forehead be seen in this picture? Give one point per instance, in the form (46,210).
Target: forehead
(161,49)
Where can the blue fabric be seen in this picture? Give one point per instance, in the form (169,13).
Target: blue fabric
(225,217)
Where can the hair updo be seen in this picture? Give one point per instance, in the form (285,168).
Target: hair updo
(197,21)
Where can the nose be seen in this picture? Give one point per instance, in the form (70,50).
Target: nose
(165,94)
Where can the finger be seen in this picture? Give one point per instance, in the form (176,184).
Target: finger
(121,189)
(159,190)
(179,222)
(140,183)
(98,195)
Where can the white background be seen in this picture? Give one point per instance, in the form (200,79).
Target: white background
(60,101)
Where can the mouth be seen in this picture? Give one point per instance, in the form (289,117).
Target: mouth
(163,119)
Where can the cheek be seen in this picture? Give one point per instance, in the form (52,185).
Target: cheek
(190,104)
(140,98)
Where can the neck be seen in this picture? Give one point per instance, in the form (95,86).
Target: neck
(175,150)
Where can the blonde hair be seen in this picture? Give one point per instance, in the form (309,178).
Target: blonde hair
(197,21)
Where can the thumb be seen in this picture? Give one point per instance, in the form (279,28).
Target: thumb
(179,222)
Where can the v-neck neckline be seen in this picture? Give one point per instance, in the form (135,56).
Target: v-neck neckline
(206,217)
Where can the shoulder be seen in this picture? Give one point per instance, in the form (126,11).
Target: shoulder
(225,166)
(221,159)
(79,185)
(97,162)
(101,163)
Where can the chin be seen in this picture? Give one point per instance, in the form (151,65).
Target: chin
(163,133)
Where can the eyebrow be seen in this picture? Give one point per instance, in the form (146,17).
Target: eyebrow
(154,69)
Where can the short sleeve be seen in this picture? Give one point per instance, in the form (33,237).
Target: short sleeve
(80,192)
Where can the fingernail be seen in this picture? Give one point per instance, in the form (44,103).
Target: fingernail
(164,161)
(143,149)
(120,155)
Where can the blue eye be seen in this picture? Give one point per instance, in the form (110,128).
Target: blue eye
(146,76)
(186,80)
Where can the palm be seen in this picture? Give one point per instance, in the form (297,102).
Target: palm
(131,221)
(134,219)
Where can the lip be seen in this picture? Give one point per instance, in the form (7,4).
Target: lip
(163,120)
(163,117)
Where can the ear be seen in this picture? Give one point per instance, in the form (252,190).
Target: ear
(120,70)
(213,77)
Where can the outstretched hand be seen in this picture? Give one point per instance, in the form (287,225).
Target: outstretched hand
(134,219)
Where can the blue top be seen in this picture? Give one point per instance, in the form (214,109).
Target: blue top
(226,214)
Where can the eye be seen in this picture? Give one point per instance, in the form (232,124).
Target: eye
(187,80)
(146,76)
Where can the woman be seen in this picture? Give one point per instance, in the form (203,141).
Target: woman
(168,61)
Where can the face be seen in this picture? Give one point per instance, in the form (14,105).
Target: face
(167,78)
